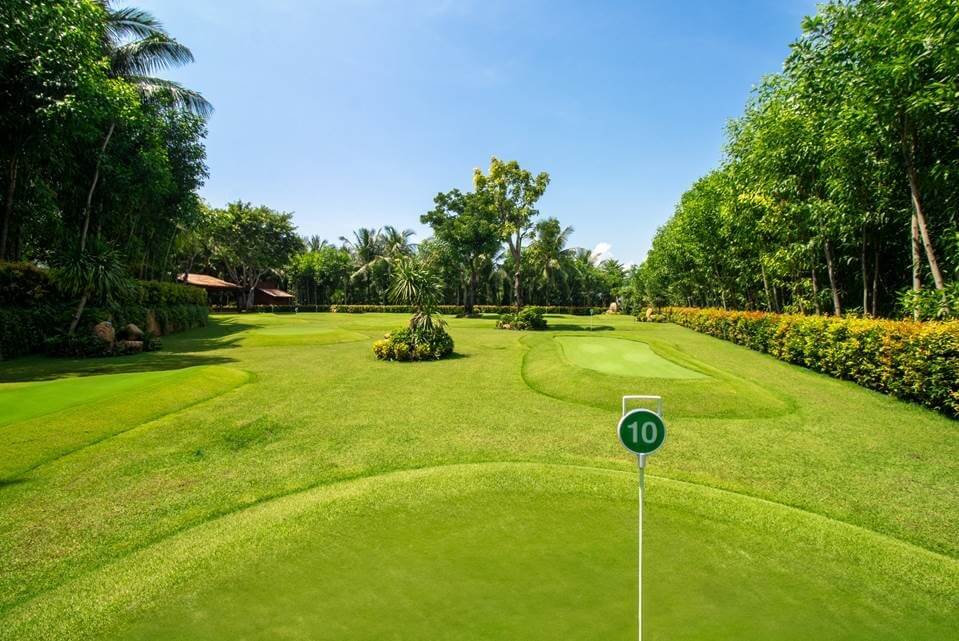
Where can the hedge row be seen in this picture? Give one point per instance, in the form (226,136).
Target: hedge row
(915,361)
(450,310)
(24,329)
(26,285)
(32,309)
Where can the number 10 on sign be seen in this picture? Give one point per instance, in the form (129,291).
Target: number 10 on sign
(642,432)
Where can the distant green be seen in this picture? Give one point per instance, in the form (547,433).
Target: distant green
(621,358)
(226,488)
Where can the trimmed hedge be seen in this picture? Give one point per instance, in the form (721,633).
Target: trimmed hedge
(450,310)
(32,309)
(914,361)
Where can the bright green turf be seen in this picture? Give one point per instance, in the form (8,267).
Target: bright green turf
(619,357)
(323,494)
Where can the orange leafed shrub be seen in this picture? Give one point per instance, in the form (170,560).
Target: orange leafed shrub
(915,361)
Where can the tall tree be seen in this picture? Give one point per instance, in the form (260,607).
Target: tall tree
(470,229)
(512,192)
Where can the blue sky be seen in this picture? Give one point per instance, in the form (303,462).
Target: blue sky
(355,113)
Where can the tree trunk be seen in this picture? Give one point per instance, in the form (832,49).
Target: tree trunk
(830,267)
(517,272)
(916,251)
(771,303)
(8,206)
(471,295)
(93,186)
(76,317)
(909,148)
(875,278)
(815,291)
(865,275)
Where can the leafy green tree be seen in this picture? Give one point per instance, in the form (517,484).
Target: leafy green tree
(470,230)
(252,242)
(512,192)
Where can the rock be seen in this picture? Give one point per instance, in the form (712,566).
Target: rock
(130,347)
(133,333)
(105,332)
(613,308)
(152,325)
(649,313)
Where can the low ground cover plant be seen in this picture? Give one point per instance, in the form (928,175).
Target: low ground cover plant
(409,344)
(524,319)
(916,361)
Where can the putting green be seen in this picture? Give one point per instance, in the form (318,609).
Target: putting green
(507,551)
(621,357)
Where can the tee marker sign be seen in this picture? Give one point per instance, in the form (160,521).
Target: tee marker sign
(642,432)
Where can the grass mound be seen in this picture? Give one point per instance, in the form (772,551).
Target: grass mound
(516,551)
(599,370)
(485,496)
(620,357)
(54,418)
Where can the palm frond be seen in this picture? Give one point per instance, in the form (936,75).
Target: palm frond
(132,22)
(149,55)
(181,97)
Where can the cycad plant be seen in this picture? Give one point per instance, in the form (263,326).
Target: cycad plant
(96,272)
(414,283)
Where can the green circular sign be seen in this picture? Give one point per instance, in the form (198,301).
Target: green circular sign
(642,431)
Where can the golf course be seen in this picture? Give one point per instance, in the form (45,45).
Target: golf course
(265,477)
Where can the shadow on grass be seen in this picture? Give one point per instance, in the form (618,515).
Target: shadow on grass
(567,327)
(179,351)
(11,481)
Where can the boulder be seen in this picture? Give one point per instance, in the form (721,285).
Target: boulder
(152,325)
(613,308)
(133,333)
(130,347)
(105,332)
(649,313)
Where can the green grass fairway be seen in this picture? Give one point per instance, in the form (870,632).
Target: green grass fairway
(267,478)
(621,358)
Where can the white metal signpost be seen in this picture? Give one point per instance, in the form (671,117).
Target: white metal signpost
(642,432)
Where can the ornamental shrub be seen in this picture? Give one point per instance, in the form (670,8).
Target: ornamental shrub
(414,345)
(526,318)
(915,361)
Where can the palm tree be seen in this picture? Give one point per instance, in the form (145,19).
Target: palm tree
(550,248)
(366,248)
(314,243)
(136,45)
(396,243)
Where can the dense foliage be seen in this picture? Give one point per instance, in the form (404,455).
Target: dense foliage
(839,189)
(526,318)
(92,146)
(488,249)
(915,361)
(414,344)
(35,312)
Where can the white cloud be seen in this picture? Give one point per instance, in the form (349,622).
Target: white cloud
(601,252)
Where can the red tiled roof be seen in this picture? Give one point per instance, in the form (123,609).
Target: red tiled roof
(275,293)
(202,280)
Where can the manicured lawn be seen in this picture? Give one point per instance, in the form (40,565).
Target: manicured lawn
(267,478)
